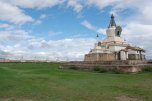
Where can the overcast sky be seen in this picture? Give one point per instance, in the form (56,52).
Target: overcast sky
(66,29)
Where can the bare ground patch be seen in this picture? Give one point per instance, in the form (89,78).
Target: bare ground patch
(127,98)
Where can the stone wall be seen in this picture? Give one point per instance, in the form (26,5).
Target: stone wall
(99,57)
(136,57)
(123,66)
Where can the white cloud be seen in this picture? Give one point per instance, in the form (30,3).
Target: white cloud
(139,35)
(66,49)
(88,25)
(72,49)
(101,3)
(37,22)
(17,43)
(34,3)
(13,14)
(115,4)
(11,10)
(76,4)
(102,31)
(52,33)
(43,16)
(14,35)
(6,26)
(40,19)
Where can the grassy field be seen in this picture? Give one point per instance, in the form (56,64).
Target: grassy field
(45,82)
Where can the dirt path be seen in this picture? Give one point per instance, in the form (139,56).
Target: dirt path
(127,98)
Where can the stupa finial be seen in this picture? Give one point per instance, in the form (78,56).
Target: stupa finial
(112,21)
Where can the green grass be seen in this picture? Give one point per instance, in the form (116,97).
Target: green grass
(45,82)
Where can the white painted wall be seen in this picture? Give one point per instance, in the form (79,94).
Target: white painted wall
(116,48)
(112,48)
(132,51)
(123,55)
(111,32)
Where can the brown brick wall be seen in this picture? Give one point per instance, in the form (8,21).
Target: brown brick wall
(99,57)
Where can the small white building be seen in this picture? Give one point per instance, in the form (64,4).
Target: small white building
(113,47)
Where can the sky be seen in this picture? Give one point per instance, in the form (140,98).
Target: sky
(67,29)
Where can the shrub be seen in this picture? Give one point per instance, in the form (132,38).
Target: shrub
(96,69)
(101,70)
(116,71)
(148,69)
(73,67)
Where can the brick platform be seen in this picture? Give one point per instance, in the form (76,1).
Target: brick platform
(126,66)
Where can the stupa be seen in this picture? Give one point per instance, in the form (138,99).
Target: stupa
(114,47)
